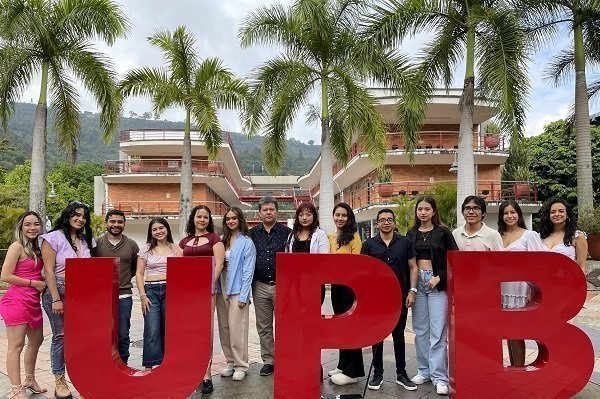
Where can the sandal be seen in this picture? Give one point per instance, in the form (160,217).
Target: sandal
(17,392)
(31,384)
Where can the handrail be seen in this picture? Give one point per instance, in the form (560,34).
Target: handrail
(160,208)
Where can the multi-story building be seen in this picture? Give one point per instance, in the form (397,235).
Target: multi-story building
(144,182)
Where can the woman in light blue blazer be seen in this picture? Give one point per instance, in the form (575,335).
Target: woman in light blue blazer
(234,300)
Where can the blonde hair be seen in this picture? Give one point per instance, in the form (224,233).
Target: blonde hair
(30,247)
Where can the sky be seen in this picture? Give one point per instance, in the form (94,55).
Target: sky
(215,25)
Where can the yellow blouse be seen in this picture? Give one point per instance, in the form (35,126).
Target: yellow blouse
(353,247)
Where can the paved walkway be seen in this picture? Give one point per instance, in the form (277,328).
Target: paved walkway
(255,386)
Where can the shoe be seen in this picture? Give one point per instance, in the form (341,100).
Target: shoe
(267,369)
(31,384)
(375,382)
(333,372)
(62,390)
(343,379)
(16,392)
(227,371)
(441,388)
(238,375)
(207,386)
(403,380)
(419,379)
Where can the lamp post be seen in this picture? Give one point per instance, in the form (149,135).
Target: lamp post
(52,192)
(340,192)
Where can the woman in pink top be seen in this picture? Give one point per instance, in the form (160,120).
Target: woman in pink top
(152,263)
(20,307)
(516,294)
(559,231)
(71,237)
(201,240)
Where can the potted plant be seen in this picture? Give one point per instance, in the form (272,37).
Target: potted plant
(213,166)
(590,223)
(492,135)
(135,163)
(384,178)
(522,177)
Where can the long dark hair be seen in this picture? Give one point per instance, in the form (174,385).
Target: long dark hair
(242,221)
(31,247)
(153,241)
(305,206)
(62,224)
(501,223)
(547,227)
(347,233)
(435,219)
(190,227)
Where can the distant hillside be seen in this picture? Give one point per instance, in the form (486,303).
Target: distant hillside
(300,157)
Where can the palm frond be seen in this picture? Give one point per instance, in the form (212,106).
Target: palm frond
(561,66)
(440,57)
(313,114)
(273,25)
(179,52)
(65,106)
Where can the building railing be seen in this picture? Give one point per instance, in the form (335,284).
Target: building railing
(168,165)
(490,190)
(293,193)
(159,208)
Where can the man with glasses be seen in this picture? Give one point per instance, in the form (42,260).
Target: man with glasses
(269,238)
(399,254)
(474,235)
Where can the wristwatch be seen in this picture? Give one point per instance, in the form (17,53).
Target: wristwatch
(413,290)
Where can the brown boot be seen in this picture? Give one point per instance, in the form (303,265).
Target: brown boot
(62,389)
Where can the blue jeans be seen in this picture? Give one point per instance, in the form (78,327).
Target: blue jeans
(154,326)
(125,305)
(57,346)
(430,324)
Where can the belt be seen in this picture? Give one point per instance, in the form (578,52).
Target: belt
(267,282)
(156,282)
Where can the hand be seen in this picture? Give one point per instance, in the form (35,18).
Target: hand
(435,280)
(39,285)
(146,304)
(410,299)
(57,307)
(241,305)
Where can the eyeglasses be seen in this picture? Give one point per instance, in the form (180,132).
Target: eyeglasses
(472,209)
(384,221)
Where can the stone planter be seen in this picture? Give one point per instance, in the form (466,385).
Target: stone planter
(386,190)
(213,167)
(522,190)
(594,246)
(491,141)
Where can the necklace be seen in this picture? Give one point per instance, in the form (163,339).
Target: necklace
(425,235)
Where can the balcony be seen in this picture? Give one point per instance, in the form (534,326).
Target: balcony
(490,190)
(149,209)
(295,195)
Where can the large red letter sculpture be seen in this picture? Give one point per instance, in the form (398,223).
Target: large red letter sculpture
(91,318)
(478,325)
(300,329)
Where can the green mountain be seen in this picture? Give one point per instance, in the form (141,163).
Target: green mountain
(300,157)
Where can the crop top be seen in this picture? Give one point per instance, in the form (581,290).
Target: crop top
(423,247)
(155,264)
(205,249)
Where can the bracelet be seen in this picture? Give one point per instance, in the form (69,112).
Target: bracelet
(58,300)
(143,296)
(29,285)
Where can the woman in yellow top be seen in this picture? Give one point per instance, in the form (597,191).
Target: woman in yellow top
(345,241)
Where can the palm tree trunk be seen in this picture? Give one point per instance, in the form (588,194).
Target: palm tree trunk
(465,180)
(185,200)
(37,179)
(326,179)
(585,194)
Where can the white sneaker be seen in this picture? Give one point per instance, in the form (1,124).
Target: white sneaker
(343,379)
(227,371)
(441,388)
(333,372)
(238,375)
(419,379)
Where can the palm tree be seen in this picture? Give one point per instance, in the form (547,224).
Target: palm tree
(323,54)
(199,87)
(54,38)
(487,37)
(581,18)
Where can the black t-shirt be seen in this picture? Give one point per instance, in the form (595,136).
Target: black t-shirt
(396,255)
(267,245)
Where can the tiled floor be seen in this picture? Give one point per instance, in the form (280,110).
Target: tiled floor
(255,386)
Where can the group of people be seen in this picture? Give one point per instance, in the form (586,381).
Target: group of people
(244,262)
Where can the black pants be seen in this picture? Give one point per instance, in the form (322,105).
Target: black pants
(350,360)
(398,338)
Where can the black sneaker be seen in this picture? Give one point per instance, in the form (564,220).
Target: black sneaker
(403,380)
(207,386)
(267,369)
(375,382)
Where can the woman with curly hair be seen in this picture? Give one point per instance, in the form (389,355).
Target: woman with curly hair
(20,306)
(559,231)
(345,240)
(71,237)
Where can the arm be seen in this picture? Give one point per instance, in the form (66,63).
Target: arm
(581,250)
(323,242)
(414,276)
(248,265)
(10,262)
(49,257)
(219,254)
(450,245)
(139,282)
